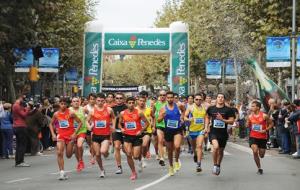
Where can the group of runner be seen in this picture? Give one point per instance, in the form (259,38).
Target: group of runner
(129,124)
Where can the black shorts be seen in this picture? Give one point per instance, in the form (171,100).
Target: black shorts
(134,140)
(88,133)
(261,143)
(169,135)
(117,136)
(100,138)
(145,133)
(222,141)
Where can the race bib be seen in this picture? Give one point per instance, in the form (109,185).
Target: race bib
(130,125)
(143,123)
(256,127)
(76,125)
(199,121)
(172,124)
(100,124)
(64,124)
(219,124)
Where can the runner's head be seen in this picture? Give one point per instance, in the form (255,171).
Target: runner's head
(255,106)
(92,99)
(130,103)
(100,100)
(119,98)
(176,97)
(190,99)
(75,102)
(162,95)
(220,99)
(63,103)
(170,97)
(142,101)
(198,99)
(208,98)
(144,94)
(110,98)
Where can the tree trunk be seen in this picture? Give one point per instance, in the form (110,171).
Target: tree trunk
(237,89)
(11,87)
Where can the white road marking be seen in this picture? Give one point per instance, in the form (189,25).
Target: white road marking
(242,148)
(18,180)
(153,183)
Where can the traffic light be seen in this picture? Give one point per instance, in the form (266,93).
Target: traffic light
(34,74)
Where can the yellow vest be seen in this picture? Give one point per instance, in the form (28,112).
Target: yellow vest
(197,124)
(147,114)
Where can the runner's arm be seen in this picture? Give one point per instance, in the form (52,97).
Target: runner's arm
(113,119)
(51,126)
(121,121)
(145,120)
(206,123)
(186,115)
(87,122)
(270,123)
(162,114)
(76,118)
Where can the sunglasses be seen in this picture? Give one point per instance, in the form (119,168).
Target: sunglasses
(162,95)
(197,99)
(119,98)
(130,103)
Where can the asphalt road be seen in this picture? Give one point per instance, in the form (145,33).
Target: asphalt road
(238,171)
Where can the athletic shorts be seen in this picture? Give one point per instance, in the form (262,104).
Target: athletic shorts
(194,134)
(221,140)
(88,132)
(261,143)
(81,135)
(145,133)
(161,129)
(134,140)
(100,138)
(117,136)
(64,138)
(169,135)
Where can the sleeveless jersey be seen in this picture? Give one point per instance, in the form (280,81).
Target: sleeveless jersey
(172,118)
(81,115)
(147,114)
(101,120)
(257,123)
(65,123)
(158,106)
(132,122)
(198,115)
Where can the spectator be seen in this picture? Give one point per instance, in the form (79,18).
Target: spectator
(47,110)
(294,120)
(19,112)
(6,131)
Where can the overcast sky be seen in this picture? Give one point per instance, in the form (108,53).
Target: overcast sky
(128,13)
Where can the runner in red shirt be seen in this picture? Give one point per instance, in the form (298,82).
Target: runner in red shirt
(101,118)
(66,134)
(259,124)
(132,130)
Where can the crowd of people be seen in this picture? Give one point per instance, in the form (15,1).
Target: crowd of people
(132,124)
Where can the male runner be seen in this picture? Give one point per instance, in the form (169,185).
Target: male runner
(173,116)
(160,126)
(101,118)
(148,132)
(219,116)
(132,130)
(66,134)
(110,100)
(259,124)
(88,108)
(195,114)
(117,134)
(81,133)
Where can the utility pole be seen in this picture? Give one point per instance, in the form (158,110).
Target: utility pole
(293,49)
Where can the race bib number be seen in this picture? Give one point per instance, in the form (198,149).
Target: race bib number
(143,123)
(64,124)
(256,127)
(130,125)
(199,121)
(100,124)
(76,125)
(219,124)
(172,124)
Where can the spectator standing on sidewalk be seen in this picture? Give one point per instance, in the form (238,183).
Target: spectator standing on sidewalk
(20,112)
(294,120)
(48,111)
(6,131)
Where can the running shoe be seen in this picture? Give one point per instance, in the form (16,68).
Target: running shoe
(62,175)
(171,171)
(260,171)
(218,170)
(162,162)
(198,168)
(177,166)
(157,157)
(82,164)
(133,176)
(119,170)
(214,171)
(78,168)
(102,173)
(23,164)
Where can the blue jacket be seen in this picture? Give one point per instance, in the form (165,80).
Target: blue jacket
(6,121)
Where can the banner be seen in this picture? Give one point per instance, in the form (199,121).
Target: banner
(298,52)
(180,64)
(92,63)
(120,89)
(48,63)
(278,52)
(213,69)
(71,75)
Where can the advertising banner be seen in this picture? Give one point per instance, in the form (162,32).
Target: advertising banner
(71,74)
(213,69)
(278,52)
(92,63)
(120,88)
(180,63)
(298,52)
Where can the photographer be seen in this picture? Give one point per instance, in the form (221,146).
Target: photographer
(20,112)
